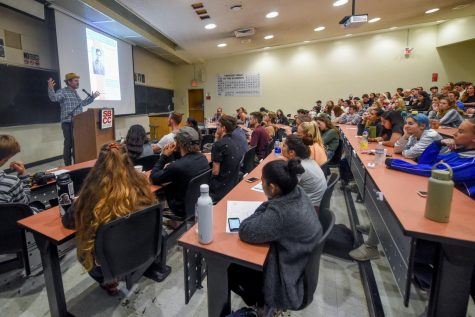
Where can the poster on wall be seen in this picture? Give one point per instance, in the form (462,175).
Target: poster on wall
(239,85)
(31,59)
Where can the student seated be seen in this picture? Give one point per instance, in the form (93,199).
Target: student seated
(226,159)
(468,97)
(239,136)
(112,189)
(137,143)
(330,135)
(259,136)
(179,173)
(191,122)
(13,189)
(312,180)
(351,117)
(268,119)
(310,132)
(371,118)
(299,119)
(281,118)
(448,114)
(217,115)
(393,125)
(290,224)
(174,120)
(416,138)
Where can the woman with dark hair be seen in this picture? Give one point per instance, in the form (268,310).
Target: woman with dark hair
(330,135)
(423,102)
(137,143)
(448,113)
(289,223)
(281,118)
(313,181)
(393,128)
(191,122)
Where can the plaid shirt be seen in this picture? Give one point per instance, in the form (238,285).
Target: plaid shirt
(14,189)
(68,100)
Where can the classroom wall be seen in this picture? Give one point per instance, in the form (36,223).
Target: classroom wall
(296,77)
(456,31)
(158,72)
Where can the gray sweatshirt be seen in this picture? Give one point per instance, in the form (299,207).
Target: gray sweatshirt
(291,226)
(313,181)
(412,147)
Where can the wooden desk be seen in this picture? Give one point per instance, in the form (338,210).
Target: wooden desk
(227,248)
(397,215)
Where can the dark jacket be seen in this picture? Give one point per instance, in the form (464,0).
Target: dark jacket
(291,226)
(225,152)
(178,173)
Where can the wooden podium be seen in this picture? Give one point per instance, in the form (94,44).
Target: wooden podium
(88,136)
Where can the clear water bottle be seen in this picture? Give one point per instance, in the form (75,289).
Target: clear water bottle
(65,190)
(277,148)
(204,207)
(380,154)
(364,141)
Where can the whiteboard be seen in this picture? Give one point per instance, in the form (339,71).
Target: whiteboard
(239,85)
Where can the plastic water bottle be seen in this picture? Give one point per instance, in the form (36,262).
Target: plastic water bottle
(380,154)
(277,148)
(204,207)
(364,141)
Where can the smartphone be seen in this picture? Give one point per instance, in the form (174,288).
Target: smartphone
(234,224)
(252,179)
(422,194)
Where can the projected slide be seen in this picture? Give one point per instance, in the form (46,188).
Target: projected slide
(103,65)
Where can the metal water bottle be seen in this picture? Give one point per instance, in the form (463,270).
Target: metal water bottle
(204,207)
(439,194)
(65,189)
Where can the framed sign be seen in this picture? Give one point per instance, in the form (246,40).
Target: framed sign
(106,119)
(239,85)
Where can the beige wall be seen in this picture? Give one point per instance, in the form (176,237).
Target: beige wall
(158,72)
(456,31)
(296,77)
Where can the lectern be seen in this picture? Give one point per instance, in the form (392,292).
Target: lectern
(89,133)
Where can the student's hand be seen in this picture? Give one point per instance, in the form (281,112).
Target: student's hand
(96,94)
(450,143)
(51,83)
(169,149)
(155,148)
(406,134)
(19,167)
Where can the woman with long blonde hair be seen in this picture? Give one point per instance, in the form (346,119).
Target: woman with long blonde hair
(112,189)
(310,131)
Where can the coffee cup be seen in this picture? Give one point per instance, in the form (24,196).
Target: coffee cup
(138,168)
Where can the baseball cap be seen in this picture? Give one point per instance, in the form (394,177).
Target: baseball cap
(188,135)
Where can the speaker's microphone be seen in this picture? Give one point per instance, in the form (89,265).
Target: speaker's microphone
(88,94)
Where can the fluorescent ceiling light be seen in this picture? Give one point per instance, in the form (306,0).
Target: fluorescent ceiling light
(210,26)
(320,28)
(272,14)
(393,28)
(374,20)
(348,35)
(268,37)
(432,10)
(306,41)
(222,45)
(340,3)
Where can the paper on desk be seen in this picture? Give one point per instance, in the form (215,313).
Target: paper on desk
(258,187)
(241,210)
(59,172)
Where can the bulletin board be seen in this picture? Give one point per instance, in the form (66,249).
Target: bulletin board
(239,85)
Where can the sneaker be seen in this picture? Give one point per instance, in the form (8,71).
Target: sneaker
(364,229)
(364,253)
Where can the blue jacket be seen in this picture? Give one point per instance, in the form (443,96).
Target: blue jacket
(462,163)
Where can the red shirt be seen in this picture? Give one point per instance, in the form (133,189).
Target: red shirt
(260,139)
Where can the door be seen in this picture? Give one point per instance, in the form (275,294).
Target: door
(196,104)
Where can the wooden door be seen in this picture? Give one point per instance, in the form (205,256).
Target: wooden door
(196,104)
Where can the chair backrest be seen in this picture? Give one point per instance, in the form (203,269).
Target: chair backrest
(270,146)
(129,244)
(207,138)
(338,153)
(327,195)
(10,233)
(327,220)
(147,161)
(326,168)
(248,162)
(193,192)
(78,176)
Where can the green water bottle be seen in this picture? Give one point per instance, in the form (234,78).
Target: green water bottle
(439,194)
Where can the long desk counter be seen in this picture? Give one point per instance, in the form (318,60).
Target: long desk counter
(397,215)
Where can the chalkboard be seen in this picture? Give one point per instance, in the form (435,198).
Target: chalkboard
(24,96)
(153,100)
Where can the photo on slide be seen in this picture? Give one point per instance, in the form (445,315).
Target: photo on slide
(103,65)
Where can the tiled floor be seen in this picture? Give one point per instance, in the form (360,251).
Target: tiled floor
(339,292)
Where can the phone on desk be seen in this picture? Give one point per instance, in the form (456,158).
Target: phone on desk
(252,179)
(234,224)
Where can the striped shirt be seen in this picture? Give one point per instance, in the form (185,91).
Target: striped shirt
(68,100)
(14,189)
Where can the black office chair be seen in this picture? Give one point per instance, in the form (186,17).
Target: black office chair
(335,161)
(147,162)
(127,246)
(78,176)
(270,146)
(248,162)
(327,195)
(327,219)
(207,138)
(12,237)
(326,169)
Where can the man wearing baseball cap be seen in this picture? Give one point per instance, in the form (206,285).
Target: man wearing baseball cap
(179,173)
(71,105)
